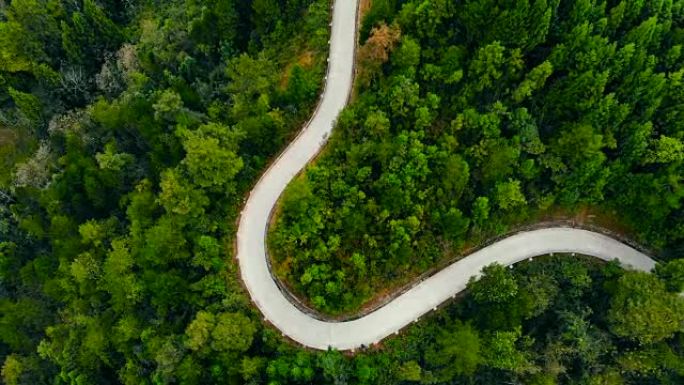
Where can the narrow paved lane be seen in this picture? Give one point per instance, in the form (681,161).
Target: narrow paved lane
(422,298)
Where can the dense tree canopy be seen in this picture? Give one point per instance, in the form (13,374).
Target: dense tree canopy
(131,130)
(129,133)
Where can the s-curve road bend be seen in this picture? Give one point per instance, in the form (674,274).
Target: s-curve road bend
(423,297)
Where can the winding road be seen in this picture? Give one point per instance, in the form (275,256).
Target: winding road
(421,298)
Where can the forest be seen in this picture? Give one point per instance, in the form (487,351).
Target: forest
(130,132)
(472,119)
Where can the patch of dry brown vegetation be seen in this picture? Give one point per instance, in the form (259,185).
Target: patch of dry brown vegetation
(304,60)
(364,7)
(7,137)
(375,52)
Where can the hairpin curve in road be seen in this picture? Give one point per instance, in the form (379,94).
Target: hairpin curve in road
(423,297)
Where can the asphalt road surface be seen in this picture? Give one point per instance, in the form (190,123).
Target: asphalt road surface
(423,297)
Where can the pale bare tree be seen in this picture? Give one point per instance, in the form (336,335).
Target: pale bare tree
(36,171)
